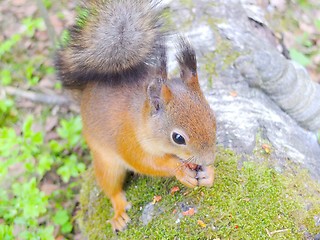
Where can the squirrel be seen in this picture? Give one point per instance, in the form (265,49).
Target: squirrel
(134,117)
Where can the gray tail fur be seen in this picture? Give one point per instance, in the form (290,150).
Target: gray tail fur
(118,41)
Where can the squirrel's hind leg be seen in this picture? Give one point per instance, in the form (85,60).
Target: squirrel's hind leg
(110,174)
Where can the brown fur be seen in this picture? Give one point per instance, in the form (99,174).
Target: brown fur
(124,133)
(131,114)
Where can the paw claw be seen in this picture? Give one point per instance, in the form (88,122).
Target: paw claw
(119,222)
(121,218)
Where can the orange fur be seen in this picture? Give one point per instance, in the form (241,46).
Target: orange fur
(134,117)
(121,138)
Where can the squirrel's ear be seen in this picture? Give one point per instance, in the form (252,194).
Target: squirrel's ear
(158,94)
(187,60)
(153,94)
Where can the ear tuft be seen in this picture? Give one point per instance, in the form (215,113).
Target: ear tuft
(186,56)
(187,60)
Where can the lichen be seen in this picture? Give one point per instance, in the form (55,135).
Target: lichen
(188,3)
(224,53)
(249,202)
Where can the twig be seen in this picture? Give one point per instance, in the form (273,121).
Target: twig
(274,232)
(279,231)
(269,234)
(45,16)
(38,97)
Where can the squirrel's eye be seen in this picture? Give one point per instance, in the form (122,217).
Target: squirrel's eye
(178,139)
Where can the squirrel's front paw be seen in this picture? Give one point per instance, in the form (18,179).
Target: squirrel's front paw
(119,221)
(205,176)
(120,218)
(187,176)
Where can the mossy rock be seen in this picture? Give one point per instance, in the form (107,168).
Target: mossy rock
(247,201)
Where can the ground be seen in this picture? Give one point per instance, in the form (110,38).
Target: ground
(248,201)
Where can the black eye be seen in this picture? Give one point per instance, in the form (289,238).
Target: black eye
(178,139)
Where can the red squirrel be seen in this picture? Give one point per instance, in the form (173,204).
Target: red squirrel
(134,117)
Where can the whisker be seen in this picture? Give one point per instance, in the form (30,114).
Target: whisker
(189,160)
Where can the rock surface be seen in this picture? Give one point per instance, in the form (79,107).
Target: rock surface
(256,93)
(242,73)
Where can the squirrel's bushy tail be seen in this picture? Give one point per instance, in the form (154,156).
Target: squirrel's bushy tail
(116,40)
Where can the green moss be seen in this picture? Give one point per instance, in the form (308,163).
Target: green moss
(251,202)
(223,53)
(210,67)
(166,15)
(188,3)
